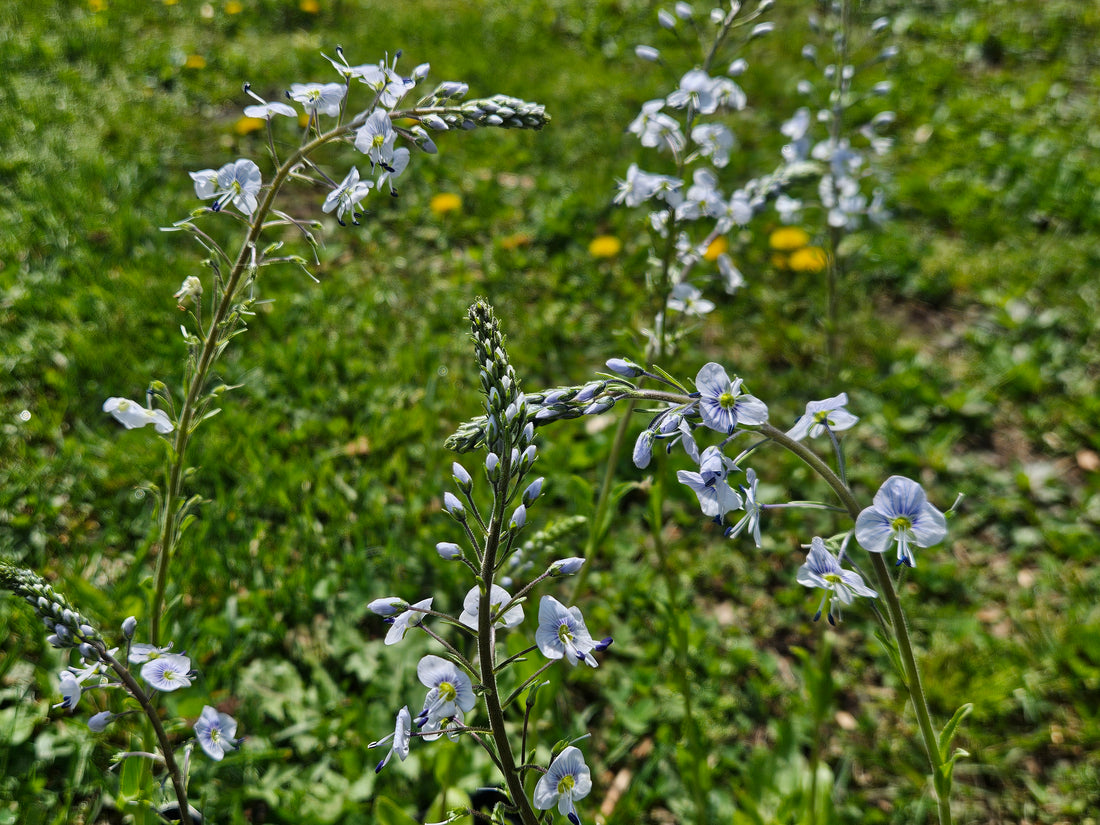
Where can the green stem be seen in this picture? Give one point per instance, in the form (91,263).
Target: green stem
(135,690)
(486,645)
(681,647)
(899,624)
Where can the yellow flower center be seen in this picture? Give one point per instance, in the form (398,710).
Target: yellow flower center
(566,784)
(447,692)
(726,400)
(901,524)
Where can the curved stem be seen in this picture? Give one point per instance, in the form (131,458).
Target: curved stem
(899,624)
(135,690)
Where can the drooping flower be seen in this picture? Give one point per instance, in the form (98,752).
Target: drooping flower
(347,196)
(688,299)
(376,137)
(753,510)
(400,624)
(900,513)
(451,690)
(132,415)
(99,721)
(563,634)
(265,111)
(216,732)
(722,404)
(498,597)
(70,690)
(716,496)
(169,672)
(822,569)
(567,780)
(819,415)
(400,737)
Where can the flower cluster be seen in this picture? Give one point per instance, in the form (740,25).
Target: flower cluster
(488,547)
(839,168)
(692,210)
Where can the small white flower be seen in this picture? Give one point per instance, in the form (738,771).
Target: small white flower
(347,196)
(133,415)
(498,597)
(318,98)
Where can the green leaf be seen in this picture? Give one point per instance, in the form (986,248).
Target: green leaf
(951,728)
(387,812)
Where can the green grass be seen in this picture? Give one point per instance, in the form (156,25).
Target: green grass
(971,354)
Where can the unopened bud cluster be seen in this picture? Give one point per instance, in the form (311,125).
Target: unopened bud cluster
(68,628)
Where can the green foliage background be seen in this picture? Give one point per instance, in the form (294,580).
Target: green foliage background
(971,355)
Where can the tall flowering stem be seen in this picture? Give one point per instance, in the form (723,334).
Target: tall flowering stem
(69,629)
(504,435)
(438,114)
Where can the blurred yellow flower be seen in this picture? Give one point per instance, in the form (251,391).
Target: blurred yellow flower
(247,125)
(719,246)
(515,241)
(233,7)
(97,5)
(605,246)
(195,61)
(303,119)
(808,259)
(444,202)
(788,239)
(310,6)
(779,261)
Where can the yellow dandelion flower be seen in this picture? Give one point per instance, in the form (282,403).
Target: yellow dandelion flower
(605,246)
(788,239)
(247,125)
(719,246)
(95,6)
(195,61)
(233,7)
(303,120)
(310,6)
(444,202)
(515,241)
(808,259)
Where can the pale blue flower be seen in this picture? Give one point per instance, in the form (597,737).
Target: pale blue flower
(687,298)
(722,404)
(169,672)
(716,497)
(347,196)
(238,183)
(643,449)
(400,624)
(141,653)
(498,597)
(563,634)
(216,732)
(388,606)
(567,780)
(753,510)
(132,415)
(451,690)
(697,90)
(70,690)
(448,550)
(823,570)
(901,514)
(376,137)
(401,737)
(318,98)
(821,415)
(265,110)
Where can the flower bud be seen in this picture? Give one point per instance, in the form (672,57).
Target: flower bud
(492,466)
(532,491)
(647,53)
(519,518)
(566,567)
(101,720)
(388,606)
(461,477)
(624,367)
(453,506)
(448,550)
